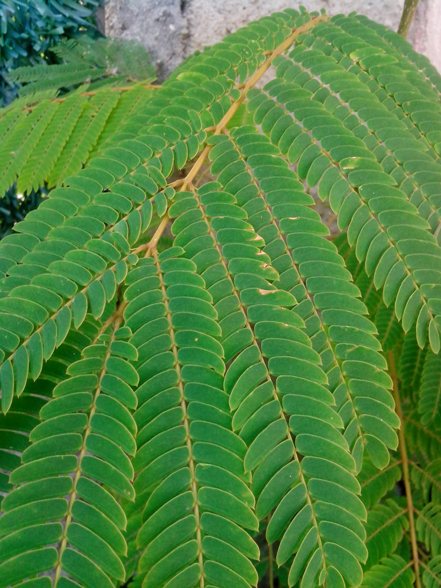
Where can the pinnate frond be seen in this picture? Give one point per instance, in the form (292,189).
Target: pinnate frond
(390,572)
(383,244)
(16,426)
(432,573)
(196,371)
(429,527)
(191,486)
(62,518)
(385,529)
(311,269)
(429,401)
(260,335)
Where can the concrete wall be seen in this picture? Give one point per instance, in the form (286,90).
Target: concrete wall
(425,32)
(173,29)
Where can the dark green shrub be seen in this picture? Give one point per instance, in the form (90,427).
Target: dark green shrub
(30,29)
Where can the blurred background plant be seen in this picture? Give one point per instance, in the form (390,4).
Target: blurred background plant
(49,32)
(28,31)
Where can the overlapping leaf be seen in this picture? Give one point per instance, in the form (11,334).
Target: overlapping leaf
(264,407)
(16,426)
(383,226)
(191,487)
(62,522)
(312,270)
(284,422)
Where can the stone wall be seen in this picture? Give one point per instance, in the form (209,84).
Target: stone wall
(173,29)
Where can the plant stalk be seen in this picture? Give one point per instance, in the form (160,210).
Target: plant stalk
(409,9)
(187,181)
(405,469)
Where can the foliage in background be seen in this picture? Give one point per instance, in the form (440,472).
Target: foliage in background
(14,209)
(62,133)
(28,30)
(65,110)
(87,64)
(195,375)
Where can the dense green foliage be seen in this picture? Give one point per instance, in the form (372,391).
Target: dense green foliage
(201,385)
(60,134)
(29,29)
(87,64)
(28,32)
(69,126)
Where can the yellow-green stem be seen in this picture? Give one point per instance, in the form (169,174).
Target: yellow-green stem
(405,470)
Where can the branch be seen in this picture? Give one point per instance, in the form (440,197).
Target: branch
(405,468)
(188,180)
(409,9)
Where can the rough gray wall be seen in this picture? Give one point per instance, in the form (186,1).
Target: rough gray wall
(160,25)
(425,32)
(210,20)
(173,29)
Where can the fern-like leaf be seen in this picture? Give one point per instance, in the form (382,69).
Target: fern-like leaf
(429,402)
(385,528)
(88,62)
(62,519)
(191,486)
(312,270)
(16,426)
(261,336)
(429,527)
(390,572)
(247,252)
